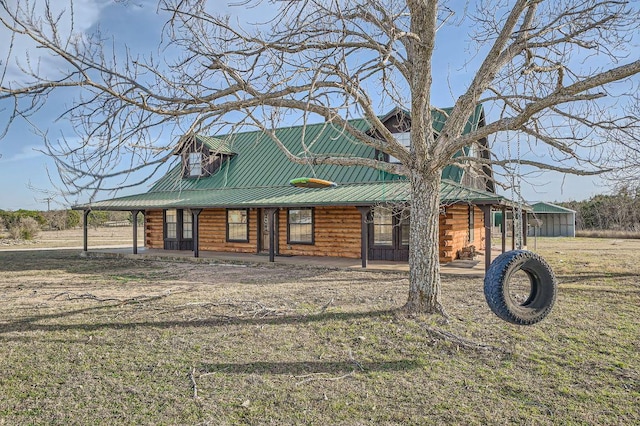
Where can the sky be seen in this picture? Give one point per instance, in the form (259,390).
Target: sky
(28,176)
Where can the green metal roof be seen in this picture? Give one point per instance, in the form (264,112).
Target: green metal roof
(397,191)
(543,207)
(215,144)
(259,162)
(259,172)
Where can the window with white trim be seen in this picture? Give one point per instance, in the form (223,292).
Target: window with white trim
(403,139)
(195,164)
(171,223)
(187,224)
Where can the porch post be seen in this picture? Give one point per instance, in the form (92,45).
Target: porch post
(364,235)
(272,234)
(486,210)
(503,229)
(85,230)
(134,219)
(513,231)
(196,233)
(524,228)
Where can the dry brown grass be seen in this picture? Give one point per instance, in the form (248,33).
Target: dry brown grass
(102,341)
(73,238)
(604,233)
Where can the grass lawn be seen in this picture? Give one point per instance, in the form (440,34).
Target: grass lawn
(106,341)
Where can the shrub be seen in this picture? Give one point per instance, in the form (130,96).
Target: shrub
(74,218)
(26,228)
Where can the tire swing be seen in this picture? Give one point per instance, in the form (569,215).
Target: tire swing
(506,299)
(507,293)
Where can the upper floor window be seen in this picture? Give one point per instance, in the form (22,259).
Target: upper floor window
(195,164)
(405,140)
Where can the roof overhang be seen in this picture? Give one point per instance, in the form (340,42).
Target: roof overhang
(356,194)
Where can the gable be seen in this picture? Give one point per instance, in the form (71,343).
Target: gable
(202,156)
(478,176)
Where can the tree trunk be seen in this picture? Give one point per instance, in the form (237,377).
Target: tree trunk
(424,263)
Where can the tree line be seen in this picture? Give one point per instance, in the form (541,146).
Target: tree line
(26,224)
(619,211)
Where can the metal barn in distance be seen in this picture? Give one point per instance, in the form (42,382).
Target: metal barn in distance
(551,220)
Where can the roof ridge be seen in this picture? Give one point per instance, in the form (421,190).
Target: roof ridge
(394,181)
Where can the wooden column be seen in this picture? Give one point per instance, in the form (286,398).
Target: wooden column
(196,232)
(272,234)
(524,228)
(85,227)
(134,219)
(364,235)
(513,231)
(487,236)
(503,228)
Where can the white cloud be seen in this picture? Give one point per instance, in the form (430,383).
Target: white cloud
(27,152)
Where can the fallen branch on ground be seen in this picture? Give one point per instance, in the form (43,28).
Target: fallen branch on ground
(315,377)
(89,296)
(461,341)
(193,383)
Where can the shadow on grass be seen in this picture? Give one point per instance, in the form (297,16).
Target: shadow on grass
(302,368)
(49,260)
(32,323)
(71,261)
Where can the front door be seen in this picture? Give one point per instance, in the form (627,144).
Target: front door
(264,231)
(389,234)
(178,229)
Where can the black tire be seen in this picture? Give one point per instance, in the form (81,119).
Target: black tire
(542,290)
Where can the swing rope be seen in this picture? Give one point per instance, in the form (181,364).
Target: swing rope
(516,194)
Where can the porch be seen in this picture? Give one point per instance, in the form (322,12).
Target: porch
(470,268)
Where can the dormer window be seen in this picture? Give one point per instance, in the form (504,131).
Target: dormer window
(195,164)
(203,156)
(404,139)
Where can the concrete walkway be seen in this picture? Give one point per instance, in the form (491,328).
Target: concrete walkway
(474,268)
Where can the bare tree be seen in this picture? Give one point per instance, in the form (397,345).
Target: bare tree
(543,68)
(624,136)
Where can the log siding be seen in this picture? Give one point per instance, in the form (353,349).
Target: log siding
(336,232)
(454,231)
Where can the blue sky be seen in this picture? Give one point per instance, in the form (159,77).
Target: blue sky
(26,174)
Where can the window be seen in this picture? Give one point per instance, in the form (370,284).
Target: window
(171,221)
(238,225)
(404,218)
(472,220)
(187,224)
(405,140)
(300,226)
(383,226)
(195,164)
